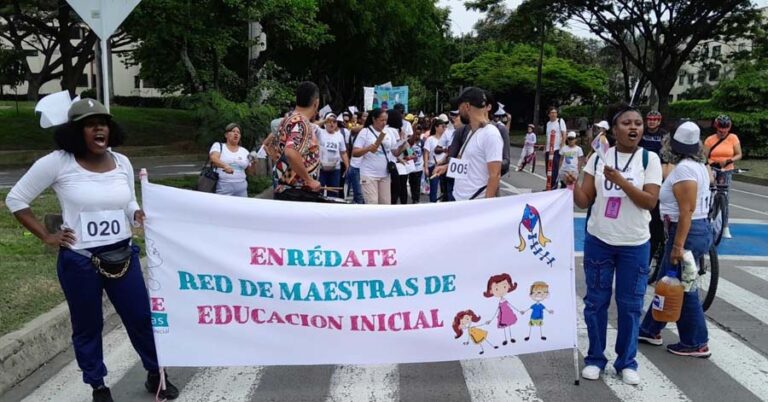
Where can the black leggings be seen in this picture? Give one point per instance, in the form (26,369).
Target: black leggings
(414,179)
(656,228)
(399,189)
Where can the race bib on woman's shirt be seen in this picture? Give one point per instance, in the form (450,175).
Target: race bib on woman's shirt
(102,225)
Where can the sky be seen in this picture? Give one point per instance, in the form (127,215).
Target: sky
(462,20)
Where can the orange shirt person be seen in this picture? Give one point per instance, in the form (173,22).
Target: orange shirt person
(723,149)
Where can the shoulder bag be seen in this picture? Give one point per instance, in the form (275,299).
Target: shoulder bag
(209,177)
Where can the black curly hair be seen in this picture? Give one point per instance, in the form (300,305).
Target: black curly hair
(70,136)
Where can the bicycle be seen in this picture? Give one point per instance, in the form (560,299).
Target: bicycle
(718,203)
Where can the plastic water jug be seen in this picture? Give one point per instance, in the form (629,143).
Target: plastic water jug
(668,300)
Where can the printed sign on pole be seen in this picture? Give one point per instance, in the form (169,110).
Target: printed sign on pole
(103,16)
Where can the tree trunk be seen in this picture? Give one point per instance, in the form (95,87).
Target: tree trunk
(664,88)
(33,86)
(196,84)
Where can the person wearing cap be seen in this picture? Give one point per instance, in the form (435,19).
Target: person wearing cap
(555,136)
(571,157)
(297,169)
(619,192)
(476,168)
(333,152)
(683,204)
(528,153)
(232,163)
(95,188)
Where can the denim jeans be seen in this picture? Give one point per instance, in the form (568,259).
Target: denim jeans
(630,264)
(692,324)
(434,185)
(353,182)
(331,178)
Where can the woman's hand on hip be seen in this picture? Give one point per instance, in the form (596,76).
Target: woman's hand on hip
(64,238)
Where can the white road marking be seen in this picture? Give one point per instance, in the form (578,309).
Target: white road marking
(221,384)
(67,384)
(365,383)
(175,166)
(753,258)
(499,379)
(760,272)
(732,205)
(743,299)
(654,385)
(748,192)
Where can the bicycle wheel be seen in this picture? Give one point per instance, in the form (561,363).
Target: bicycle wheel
(717,216)
(706,282)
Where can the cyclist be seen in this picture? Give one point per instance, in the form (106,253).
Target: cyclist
(683,205)
(723,149)
(652,137)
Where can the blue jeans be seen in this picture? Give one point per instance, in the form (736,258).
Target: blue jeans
(691,325)
(630,264)
(83,287)
(353,182)
(434,185)
(331,178)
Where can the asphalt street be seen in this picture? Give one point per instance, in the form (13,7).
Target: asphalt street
(737,370)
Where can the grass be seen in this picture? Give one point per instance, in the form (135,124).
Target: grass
(29,286)
(144,127)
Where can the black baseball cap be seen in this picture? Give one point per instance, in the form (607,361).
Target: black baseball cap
(474,96)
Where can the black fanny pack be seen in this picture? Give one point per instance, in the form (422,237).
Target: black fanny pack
(112,264)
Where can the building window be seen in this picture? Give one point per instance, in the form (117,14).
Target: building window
(701,77)
(716,51)
(681,80)
(705,50)
(83,81)
(149,84)
(137,82)
(714,73)
(30,52)
(690,79)
(742,47)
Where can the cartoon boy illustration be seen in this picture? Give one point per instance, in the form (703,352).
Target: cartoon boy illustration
(539,292)
(500,286)
(464,320)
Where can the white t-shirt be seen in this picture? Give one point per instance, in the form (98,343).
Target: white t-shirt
(570,157)
(530,141)
(419,154)
(483,147)
(82,194)
(238,161)
(407,128)
(331,148)
(374,164)
(447,138)
(630,227)
(429,146)
(684,171)
(558,126)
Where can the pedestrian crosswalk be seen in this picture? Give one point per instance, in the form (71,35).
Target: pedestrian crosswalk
(737,369)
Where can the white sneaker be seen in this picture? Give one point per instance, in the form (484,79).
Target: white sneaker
(591,373)
(727,233)
(630,376)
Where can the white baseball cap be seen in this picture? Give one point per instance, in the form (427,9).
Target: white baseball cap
(603,124)
(686,139)
(572,134)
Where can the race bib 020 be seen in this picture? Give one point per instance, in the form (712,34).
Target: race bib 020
(458,169)
(102,225)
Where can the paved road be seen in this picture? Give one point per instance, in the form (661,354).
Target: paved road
(737,370)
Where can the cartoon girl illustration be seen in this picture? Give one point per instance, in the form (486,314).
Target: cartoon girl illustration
(500,286)
(464,320)
(539,292)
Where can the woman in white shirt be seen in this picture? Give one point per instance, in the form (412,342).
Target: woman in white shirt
(333,151)
(684,203)
(374,147)
(620,192)
(232,162)
(95,188)
(430,158)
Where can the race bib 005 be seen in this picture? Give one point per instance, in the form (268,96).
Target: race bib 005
(611,189)
(102,225)
(457,169)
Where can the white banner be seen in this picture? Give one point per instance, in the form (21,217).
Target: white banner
(238,281)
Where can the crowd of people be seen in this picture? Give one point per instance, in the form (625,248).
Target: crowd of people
(648,191)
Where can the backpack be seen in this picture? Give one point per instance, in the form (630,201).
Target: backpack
(589,209)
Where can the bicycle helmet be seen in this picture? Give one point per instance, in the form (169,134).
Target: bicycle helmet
(653,115)
(722,121)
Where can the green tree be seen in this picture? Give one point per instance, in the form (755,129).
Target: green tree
(202,45)
(11,68)
(658,37)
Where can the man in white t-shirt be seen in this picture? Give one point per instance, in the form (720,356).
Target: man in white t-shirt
(555,136)
(477,168)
